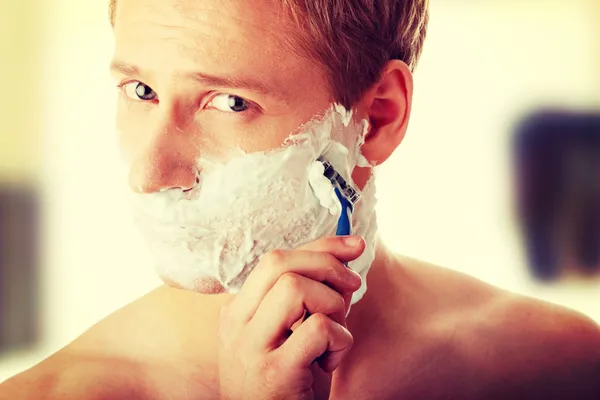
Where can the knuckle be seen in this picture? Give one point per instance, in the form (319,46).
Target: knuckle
(290,282)
(349,339)
(349,342)
(275,258)
(333,264)
(320,323)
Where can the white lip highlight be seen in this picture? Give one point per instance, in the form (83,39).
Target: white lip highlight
(255,203)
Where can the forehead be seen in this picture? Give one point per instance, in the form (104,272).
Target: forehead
(217,36)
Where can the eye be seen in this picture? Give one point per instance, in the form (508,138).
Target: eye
(138,91)
(229,103)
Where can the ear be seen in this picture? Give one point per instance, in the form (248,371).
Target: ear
(387,107)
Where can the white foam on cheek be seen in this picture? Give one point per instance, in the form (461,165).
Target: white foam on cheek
(255,203)
(361,160)
(345,115)
(323,189)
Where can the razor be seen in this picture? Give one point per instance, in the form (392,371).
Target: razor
(346,194)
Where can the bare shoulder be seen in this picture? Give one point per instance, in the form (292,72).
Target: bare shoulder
(127,355)
(85,368)
(522,347)
(67,376)
(545,349)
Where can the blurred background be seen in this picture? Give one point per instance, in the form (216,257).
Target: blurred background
(468,189)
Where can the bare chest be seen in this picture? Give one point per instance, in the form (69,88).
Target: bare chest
(418,372)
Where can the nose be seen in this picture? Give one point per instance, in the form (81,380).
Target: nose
(164,164)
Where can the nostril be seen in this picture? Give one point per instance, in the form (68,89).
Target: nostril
(194,185)
(151,175)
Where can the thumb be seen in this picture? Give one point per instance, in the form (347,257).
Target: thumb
(344,248)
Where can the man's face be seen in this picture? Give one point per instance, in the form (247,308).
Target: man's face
(202,78)
(208,87)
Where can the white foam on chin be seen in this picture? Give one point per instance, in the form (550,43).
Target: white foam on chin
(255,203)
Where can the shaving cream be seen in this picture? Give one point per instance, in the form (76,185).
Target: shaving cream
(210,238)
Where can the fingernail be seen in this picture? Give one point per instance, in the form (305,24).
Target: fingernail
(352,241)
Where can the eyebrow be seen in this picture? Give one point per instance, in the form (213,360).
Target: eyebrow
(124,68)
(234,82)
(255,85)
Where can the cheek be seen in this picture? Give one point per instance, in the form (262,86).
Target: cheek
(213,134)
(223,133)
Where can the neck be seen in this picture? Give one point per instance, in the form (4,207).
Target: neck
(192,318)
(381,285)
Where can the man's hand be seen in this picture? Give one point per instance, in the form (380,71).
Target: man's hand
(285,332)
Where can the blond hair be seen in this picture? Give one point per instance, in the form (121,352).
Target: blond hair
(354,39)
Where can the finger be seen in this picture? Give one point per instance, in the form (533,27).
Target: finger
(321,382)
(286,303)
(320,339)
(342,247)
(326,267)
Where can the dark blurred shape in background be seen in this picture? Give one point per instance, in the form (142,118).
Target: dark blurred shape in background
(557,175)
(19,266)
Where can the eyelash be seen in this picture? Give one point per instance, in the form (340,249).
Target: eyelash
(251,105)
(121,86)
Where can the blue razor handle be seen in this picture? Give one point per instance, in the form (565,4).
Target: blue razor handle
(344,227)
(345,194)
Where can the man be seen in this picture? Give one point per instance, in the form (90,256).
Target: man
(209,85)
